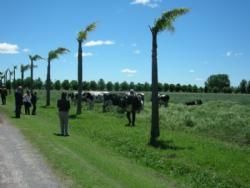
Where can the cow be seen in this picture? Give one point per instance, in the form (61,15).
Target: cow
(194,102)
(163,100)
(121,100)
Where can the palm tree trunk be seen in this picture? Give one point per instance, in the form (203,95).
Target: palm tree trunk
(48,85)
(22,76)
(79,100)
(14,79)
(31,76)
(155,130)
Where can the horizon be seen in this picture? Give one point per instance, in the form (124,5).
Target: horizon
(210,39)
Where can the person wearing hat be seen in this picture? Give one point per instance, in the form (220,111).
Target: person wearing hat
(132,107)
(18,101)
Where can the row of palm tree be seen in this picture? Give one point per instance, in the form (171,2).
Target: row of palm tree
(165,22)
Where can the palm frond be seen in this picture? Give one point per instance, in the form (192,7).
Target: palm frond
(24,67)
(83,34)
(35,57)
(54,54)
(165,22)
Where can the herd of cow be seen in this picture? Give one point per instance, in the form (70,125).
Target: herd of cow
(119,99)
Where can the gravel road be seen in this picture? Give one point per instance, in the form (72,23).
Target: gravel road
(20,165)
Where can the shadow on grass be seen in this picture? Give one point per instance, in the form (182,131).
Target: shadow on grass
(167,145)
(47,107)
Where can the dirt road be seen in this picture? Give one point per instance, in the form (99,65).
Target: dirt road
(20,165)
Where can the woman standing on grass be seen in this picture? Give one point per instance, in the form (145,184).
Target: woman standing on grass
(63,106)
(27,102)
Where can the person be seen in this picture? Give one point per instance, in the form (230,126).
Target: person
(33,101)
(18,101)
(63,106)
(4,93)
(27,102)
(131,107)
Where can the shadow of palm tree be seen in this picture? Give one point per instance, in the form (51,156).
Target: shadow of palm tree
(167,145)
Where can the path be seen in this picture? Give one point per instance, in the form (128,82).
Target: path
(20,165)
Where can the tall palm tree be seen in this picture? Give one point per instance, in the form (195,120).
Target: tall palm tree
(1,78)
(23,68)
(82,36)
(165,22)
(53,54)
(32,59)
(14,77)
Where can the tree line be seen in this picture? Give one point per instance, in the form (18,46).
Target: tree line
(212,85)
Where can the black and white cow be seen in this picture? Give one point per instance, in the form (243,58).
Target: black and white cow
(163,99)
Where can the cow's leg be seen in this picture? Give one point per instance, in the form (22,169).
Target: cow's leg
(133,118)
(129,118)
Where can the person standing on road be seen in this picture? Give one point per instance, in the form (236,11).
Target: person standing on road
(63,106)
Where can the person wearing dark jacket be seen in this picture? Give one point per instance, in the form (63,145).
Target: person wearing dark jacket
(132,107)
(33,102)
(18,101)
(63,106)
(4,94)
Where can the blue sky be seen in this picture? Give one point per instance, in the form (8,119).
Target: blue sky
(213,38)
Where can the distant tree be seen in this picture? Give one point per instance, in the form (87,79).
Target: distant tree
(165,87)
(19,82)
(248,86)
(101,85)
(139,87)
(32,59)
(109,86)
(27,82)
(86,85)
(81,37)
(65,84)
(117,86)
(216,83)
(184,88)
(53,54)
(93,85)
(189,88)
(57,85)
(124,86)
(227,90)
(195,89)
(178,87)
(147,86)
(8,84)
(38,84)
(74,84)
(160,87)
(165,22)
(131,85)
(14,78)
(243,86)
(23,68)
(171,87)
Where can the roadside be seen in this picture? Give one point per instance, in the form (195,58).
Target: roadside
(20,165)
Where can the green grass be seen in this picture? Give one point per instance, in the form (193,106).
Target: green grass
(202,146)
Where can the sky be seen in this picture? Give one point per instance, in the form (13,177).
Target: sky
(213,38)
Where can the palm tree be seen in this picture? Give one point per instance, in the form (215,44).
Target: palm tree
(53,54)
(14,77)
(32,59)
(165,22)
(82,36)
(23,68)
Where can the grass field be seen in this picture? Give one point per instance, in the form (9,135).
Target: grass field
(201,146)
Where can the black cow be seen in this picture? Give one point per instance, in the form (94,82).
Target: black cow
(195,102)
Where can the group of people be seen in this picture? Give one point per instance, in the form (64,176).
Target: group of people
(28,99)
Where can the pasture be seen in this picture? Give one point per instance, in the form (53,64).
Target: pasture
(200,146)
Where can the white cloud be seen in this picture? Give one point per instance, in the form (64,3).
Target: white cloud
(235,54)
(99,43)
(137,52)
(26,50)
(85,54)
(228,54)
(129,72)
(6,48)
(191,71)
(149,3)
